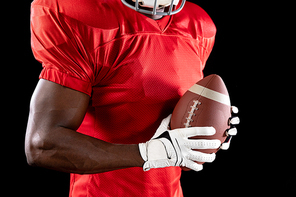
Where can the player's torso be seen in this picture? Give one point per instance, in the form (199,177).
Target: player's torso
(145,79)
(142,67)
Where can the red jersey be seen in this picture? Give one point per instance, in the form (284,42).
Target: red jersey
(134,68)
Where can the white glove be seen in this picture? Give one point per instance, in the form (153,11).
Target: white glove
(173,148)
(233,120)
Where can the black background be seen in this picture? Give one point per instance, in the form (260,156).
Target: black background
(252,53)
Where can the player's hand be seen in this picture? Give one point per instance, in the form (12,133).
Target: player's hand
(173,148)
(233,120)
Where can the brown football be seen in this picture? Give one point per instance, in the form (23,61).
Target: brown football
(206,103)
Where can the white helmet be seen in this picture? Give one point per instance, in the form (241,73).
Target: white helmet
(155,4)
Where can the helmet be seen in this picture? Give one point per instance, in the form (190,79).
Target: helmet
(155,4)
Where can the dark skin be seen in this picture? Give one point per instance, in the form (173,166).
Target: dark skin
(52,141)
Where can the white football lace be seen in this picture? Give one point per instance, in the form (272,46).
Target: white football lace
(191,113)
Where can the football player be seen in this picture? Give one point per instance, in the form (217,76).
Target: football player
(112,73)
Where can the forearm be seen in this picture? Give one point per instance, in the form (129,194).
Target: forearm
(69,151)
(56,112)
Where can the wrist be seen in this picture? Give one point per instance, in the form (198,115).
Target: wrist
(128,155)
(138,160)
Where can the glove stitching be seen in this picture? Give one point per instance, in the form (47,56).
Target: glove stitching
(177,154)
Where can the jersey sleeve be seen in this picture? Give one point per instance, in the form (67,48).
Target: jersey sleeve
(208,32)
(64,58)
(202,28)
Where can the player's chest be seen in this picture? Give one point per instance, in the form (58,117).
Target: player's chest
(154,68)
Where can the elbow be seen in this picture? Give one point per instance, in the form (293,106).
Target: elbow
(36,150)
(31,158)
(33,154)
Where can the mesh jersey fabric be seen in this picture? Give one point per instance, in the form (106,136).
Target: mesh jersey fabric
(134,68)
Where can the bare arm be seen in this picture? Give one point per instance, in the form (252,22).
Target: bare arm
(52,142)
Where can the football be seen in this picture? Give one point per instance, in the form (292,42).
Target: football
(206,103)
